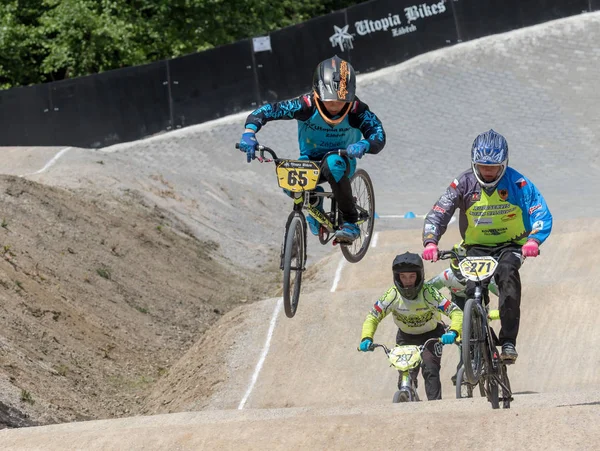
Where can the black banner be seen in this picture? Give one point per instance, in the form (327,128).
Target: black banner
(389,32)
(533,12)
(478,18)
(112,107)
(25,117)
(130,103)
(287,70)
(213,83)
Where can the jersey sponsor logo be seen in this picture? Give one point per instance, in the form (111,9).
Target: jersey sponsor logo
(439,209)
(307,101)
(430,228)
(445,201)
(475,197)
(509,217)
(415,320)
(454,184)
(503,194)
(521,182)
(483,221)
(494,232)
(534,208)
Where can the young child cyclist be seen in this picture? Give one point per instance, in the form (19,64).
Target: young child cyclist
(417,309)
(330,117)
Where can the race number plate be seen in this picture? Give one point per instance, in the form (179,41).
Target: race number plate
(478,268)
(405,357)
(298,175)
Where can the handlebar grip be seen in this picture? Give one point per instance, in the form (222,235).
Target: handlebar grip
(237,145)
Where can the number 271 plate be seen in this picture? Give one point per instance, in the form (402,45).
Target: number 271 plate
(298,175)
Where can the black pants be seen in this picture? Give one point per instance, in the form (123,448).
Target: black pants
(509,287)
(432,360)
(342,191)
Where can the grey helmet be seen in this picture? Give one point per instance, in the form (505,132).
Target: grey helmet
(489,148)
(408,262)
(334,79)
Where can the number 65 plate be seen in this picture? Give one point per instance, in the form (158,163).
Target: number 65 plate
(297,175)
(478,268)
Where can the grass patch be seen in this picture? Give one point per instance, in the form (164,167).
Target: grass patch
(26,397)
(104,273)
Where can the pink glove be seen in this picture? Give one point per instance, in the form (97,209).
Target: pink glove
(431,252)
(530,249)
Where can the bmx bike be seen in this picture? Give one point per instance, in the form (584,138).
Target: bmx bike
(406,359)
(300,178)
(481,360)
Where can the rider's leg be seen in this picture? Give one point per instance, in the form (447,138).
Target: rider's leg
(509,287)
(317,202)
(337,173)
(432,361)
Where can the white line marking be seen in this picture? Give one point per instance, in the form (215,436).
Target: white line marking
(263,356)
(375,238)
(338,274)
(51,162)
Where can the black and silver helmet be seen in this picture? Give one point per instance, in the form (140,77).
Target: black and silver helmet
(334,80)
(408,262)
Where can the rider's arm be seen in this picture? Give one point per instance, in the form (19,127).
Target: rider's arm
(379,311)
(299,108)
(446,306)
(361,117)
(535,211)
(440,281)
(439,216)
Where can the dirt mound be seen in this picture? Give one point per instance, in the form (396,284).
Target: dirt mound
(99,296)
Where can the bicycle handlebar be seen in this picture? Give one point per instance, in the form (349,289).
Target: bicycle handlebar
(387,350)
(262,149)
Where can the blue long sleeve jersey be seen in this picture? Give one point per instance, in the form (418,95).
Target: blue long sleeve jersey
(315,136)
(514,211)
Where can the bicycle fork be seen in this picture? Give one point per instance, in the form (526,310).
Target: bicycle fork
(407,386)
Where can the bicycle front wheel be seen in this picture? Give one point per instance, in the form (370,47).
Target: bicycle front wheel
(463,388)
(364,198)
(473,345)
(293,263)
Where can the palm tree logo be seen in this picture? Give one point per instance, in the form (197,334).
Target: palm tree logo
(341,37)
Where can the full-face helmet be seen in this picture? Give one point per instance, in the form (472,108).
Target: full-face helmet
(408,262)
(489,148)
(334,80)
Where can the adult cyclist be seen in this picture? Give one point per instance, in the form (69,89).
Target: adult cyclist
(502,214)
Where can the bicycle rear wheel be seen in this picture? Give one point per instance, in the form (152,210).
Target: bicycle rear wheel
(473,345)
(463,388)
(293,263)
(364,195)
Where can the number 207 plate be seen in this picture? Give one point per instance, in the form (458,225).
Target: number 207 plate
(298,175)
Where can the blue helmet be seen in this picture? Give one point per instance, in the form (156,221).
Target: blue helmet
(489,148)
